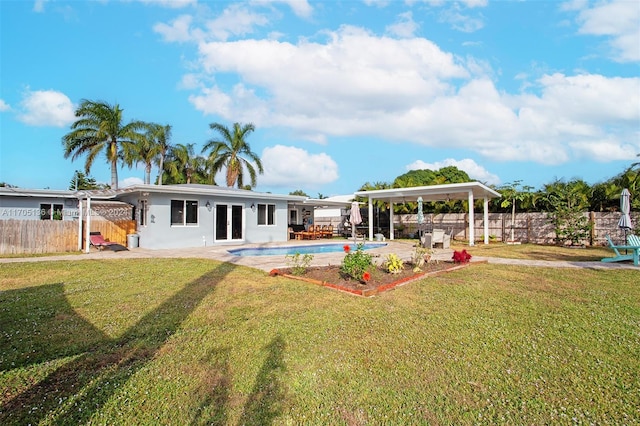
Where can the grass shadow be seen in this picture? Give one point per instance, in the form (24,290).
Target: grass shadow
(74,392)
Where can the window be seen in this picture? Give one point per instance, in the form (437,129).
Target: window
(266,214)
(51,211)
(184,212)
(293,216)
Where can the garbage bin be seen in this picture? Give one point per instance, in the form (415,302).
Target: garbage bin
(133,240)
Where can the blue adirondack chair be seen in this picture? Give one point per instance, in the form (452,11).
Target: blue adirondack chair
(633,245)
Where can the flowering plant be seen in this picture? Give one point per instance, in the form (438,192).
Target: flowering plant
(346,248)
(461,256)
(366,277)
(355,263)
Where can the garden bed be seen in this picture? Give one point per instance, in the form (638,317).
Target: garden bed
(381,280)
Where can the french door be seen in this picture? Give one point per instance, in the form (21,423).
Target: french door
(228,222)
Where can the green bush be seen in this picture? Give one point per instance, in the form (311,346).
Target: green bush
(356,263)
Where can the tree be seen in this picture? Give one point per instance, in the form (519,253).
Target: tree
(184,166)
(80,181)
(228,152)
(510,197)
(100,129)
(299,192)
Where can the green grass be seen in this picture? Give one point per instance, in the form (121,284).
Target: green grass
(537,252)
(163,341)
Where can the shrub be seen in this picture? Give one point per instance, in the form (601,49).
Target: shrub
(393,264)
(299,263)
(355,263)
(461,256)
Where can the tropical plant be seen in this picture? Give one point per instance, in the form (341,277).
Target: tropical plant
(299,263)
(299,192)
(229,151)
(100,128)
(510,197)
(461,256)
(356,263)
(80,181)
(184,166)
(393,264)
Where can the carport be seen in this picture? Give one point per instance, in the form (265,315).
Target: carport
(469,191)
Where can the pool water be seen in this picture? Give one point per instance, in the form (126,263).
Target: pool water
(310,249)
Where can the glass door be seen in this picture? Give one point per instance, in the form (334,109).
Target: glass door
(229,221)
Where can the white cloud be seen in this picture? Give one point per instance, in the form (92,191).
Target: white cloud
(46,108)
(130,181)
(236,20)
(619,20)
(404,27)
(300,8)
(344,86)
(171,4)
(4,106)
(178,30)
(38,5)
(290,166)
(473,169)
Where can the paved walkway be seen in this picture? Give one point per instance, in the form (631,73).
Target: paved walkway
(403,249)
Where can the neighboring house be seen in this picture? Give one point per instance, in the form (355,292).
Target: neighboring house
(37,204)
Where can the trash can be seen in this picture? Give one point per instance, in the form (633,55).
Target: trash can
(133,240)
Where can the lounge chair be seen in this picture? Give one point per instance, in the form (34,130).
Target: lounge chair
(98,241)
(440,237)
(633,245)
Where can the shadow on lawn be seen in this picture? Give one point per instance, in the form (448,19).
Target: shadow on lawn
(74,392)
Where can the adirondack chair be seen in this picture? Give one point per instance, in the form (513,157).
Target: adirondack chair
(633,245)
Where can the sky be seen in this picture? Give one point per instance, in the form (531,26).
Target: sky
(341,92)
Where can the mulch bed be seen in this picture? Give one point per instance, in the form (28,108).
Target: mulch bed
(381,280)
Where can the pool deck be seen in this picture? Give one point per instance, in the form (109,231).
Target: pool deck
(404,249)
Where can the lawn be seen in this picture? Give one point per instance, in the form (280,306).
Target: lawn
(185,341)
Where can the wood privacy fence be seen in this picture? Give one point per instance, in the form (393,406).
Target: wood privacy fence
(528,227)
(53,236)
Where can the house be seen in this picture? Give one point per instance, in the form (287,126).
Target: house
(166,216)
(192,215)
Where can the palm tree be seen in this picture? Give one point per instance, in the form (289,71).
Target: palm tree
(183,165)
(150,148)
(99,129)
(227,152)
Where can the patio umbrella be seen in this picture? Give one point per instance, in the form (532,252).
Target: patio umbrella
(355,218)
(625,209)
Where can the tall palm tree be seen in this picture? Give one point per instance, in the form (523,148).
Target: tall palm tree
(228,151)
(100,128)
(149,148)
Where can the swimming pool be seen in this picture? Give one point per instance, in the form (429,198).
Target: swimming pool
(310,249)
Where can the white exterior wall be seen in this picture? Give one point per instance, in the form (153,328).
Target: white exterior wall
(28,208)
(158,233)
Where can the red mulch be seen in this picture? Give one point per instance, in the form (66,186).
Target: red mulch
(381,280)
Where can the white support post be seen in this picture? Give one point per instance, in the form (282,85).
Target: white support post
(370,219)
(391,236)
(87,241)
(79,225)
(485,219)
(472,235)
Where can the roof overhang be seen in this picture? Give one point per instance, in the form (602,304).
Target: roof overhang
(326,203)
(452,191)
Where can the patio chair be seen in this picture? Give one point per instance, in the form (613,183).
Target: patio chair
(440,237)
(633,244)
(98,241)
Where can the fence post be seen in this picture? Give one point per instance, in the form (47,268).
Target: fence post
(592,225)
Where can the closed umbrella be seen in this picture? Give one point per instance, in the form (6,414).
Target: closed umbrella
(420,217)
(625,209)
(355,218)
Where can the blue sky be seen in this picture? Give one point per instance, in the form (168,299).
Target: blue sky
(341,92)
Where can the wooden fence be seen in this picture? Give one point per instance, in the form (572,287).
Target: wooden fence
(54,236)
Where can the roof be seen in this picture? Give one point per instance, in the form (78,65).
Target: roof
(194,189)
(326,202)
(41,193)
(452,191)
